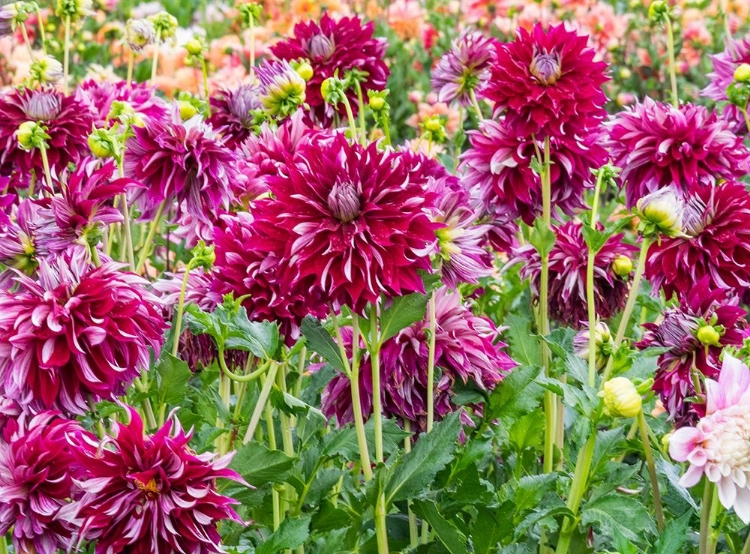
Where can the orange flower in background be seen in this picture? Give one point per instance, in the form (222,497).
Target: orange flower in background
(406,18)
(426,110)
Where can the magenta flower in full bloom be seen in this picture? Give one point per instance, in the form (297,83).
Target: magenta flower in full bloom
(567,275)
(547,83)
(498,167)
(658,145)
(690,348)
(352,221)
(76,334)
(230,113)
(716,224)
(141,97)
(336,47)
(37,468)
(718,446)
(725,63)
(464,68)
(148,494)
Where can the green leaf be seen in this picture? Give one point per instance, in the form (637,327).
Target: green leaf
(530,490)
(623,545)
(515,396)
(615,511)
(542,237)
(491,526)
(404,311)
(319,341)
(527,431)
(674,536)
(259,465)
(451,537)
(672,473)
(260,338)
(329,517)
(524,346)
(172,378)
(290,534)
(415,471)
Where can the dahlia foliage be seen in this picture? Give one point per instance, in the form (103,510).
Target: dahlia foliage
(351,277)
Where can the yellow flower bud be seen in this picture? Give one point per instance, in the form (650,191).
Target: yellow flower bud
(305,71)
(325,88)
(621,399)
(100,146)
(31,135)
(622,266)
(187,110)
(194,47)
(708,335)
(433,124)
(625,73)
(742,73)
(377,103)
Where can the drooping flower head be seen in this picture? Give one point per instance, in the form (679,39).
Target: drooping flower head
(567,275)
(499,166)
(76,334)
(353,221)
(36,481)
(336,46)
(230,113)
(716,243)
(67,121)
(464,68)
(695,332)
(725,64)
(548,83)
(183,162)
(658,145)
(150,493)
(141,97)
(719,444)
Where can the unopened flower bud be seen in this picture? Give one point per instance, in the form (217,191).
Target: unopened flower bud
(624,73)
(657,10)
(738,93)
(101,143)
(46,70)
(303,68)
(31,135)
(661,212)
(621,399)
(603,340)
(194,47)
(377,103)
(709,335)
(165,24)
(74,8)
(187,110)
(139,33)
(742,73)
(622,266)
(203,256)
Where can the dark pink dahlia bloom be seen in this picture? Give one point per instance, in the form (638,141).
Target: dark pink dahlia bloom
(464,68)
(336,47)
(567,275)
(250,265)
(148,494)
(141,97)
(548,83)
(78,333)
(22,239)
(36,481)
(182,161)
(502,228)
(230,113)
(498,167)
(679,331)
(717,245)
(725,63)
(352,221)
(68,122)
(658,145)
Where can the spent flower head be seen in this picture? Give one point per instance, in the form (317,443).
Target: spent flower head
(74,9)
(46,70)
(139,33)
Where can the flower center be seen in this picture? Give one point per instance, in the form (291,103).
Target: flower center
(728,442)
(321,47)
(151,488)
(343,201)
(42,106)
(546,67)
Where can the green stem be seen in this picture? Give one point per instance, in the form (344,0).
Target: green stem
(350,118)
(747,119)
(672,63)
(204,69)
(95,256)
(131,64)
(387,130)
(3,545)
(746,548)
(651,471)
(727,30)
(155,62)
(26,41)
(633,296)
(252,49)
(66,54)
(272,446)
(590,297)
(286,437)
(475,105)
(431,365)
(149,243)
(180,312)
(361,112)
(381,531)
(148,411)
(709,511)
(377,408)
(413,532)
(47,174)
(42,32)
(260,405)
(577,490)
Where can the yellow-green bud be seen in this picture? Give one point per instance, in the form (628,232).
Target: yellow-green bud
(100,144)
(661,212)
(325,88)
(377,103)
(433,124)
(622,266)
(657,10)
(665,441)
(46,70)
(74,8)
(742,73)
(304,69)
(165,24)
(625,73)
(139,33)
(194,47)
(621,399)
(31,135)
(187,110)
(708,335)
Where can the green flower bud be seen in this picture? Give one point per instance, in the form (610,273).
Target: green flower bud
(194,47)
(657,11)
(377,103)
(709,335)
(621,399)
(661,213)
(738,93)
(203,256)
(31,135)
(622,266)
(624,73)
(742,73)
(74,8)
(101,143)
(602,340)
(121,111)
(304,69)
(165,24)
(187,110)
(250,13)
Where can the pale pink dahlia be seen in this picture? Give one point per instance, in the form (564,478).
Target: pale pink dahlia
(548,83)
(144,494)
(658,145)
(725,63)
(716,223)
(499,166)
(352,221)
(37,468)
(567,275)
(719,444)
(464,68)
(78,333)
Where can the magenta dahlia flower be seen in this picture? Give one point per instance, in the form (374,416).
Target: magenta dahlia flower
(230,113)
(695,332)
(658,145)
(76,334)
(36,481)
(352,221)
(498,165)
(464,68)
(725,63)
(717,243)
(68,122)
(252,266)
(567,275)
(336,47)
(139,96)
(22,243)
(147,494)
(502,228)
(718,446)
(183,162)
(548,83)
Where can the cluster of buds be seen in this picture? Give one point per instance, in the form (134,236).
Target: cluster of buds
(74,9)
(661,213)
(139,33)
(658,11)
(46,70)
(32,135)
(190,105)
(433,129)
(250,13)
(165,25)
